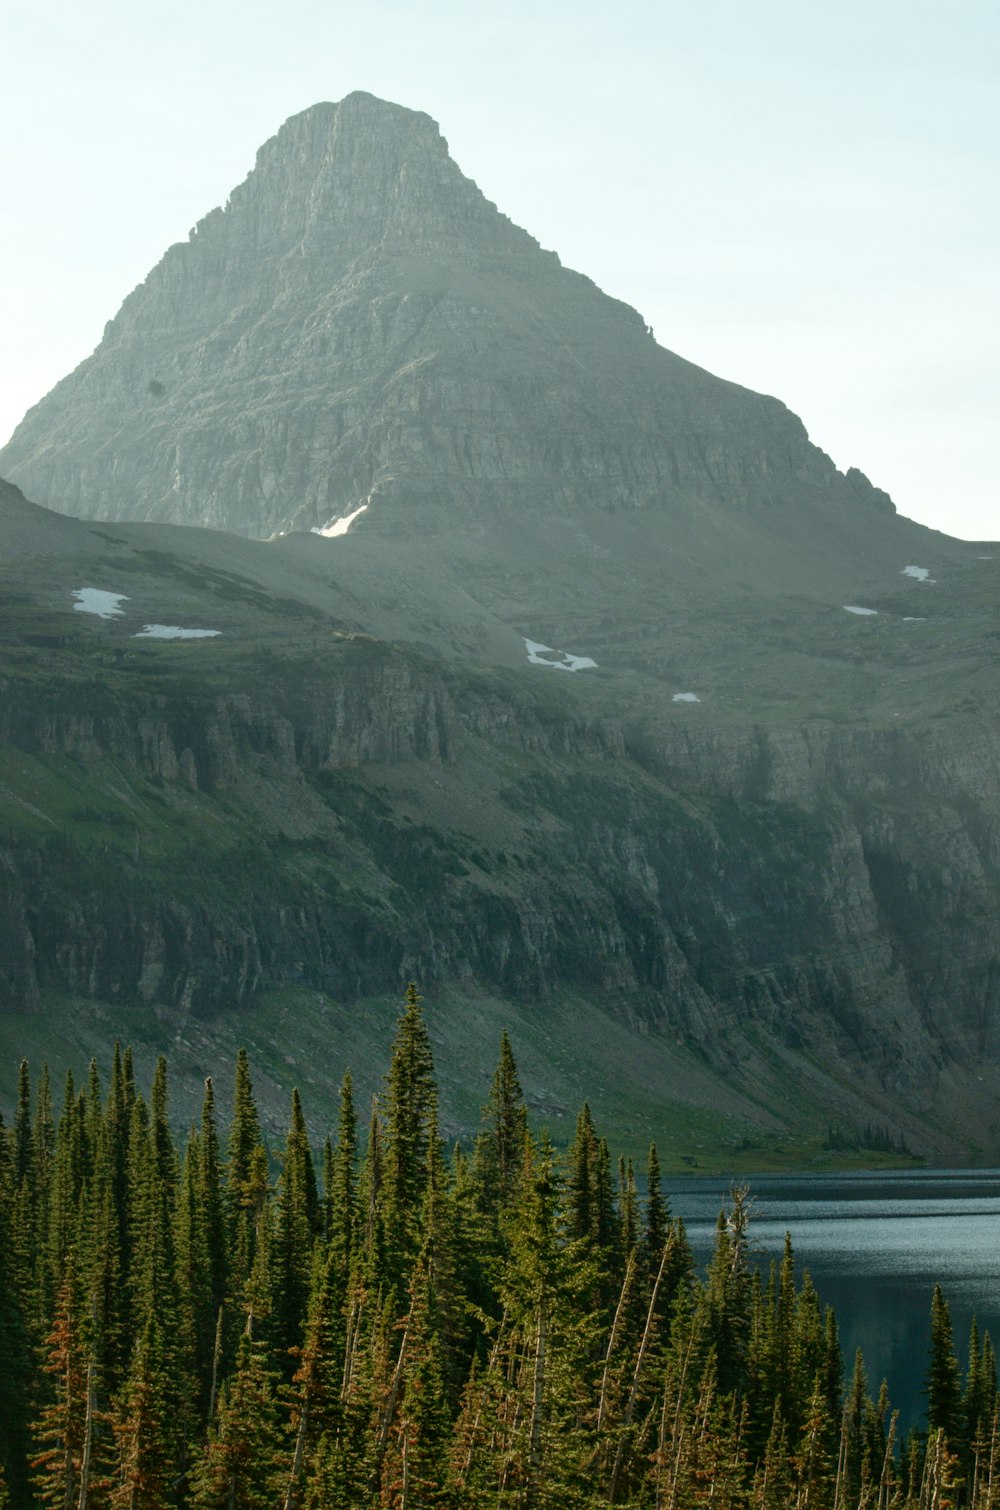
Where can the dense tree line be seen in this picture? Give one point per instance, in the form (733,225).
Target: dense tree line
(232,1327)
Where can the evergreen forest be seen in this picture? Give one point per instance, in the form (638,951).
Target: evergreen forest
(379,1321)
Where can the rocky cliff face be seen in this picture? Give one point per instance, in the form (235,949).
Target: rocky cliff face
(187,839)
(360,326)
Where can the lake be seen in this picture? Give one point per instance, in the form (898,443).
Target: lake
(875,1244)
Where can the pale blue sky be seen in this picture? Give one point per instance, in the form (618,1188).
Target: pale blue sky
(802,197)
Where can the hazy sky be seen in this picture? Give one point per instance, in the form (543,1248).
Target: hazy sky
(802,197)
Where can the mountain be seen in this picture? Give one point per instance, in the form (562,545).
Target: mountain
(745,855)
(359,326)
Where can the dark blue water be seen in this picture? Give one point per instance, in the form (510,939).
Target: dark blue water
(875,1244)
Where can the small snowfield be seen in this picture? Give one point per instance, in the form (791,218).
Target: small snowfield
(686,697)
(541,655)
(106,605)
(337,527)
(919,574)
(174,632)
(868,613)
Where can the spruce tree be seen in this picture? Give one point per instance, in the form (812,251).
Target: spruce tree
(943,1387)
(296,1228)
(59,1431)
(244,1139)
(340,1192)
(144,1425)
(22,1125)
(163,1143)
(498,1157)
(211,1205)
(244,1464)
(410,1102)
(657,1212)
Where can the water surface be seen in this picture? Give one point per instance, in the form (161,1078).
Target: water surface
(875,1244)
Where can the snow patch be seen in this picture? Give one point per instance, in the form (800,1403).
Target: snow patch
(853,608)
(919,573)
(174,632)
(338,526)
(984,558)
(686,697)
(537,656)
(914,618)
(96,600)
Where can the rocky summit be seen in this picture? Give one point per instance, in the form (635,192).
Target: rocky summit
(423,618)
(360,328)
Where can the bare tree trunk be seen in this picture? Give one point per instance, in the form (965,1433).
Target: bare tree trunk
(88,1438)
(647,1333)
(537,1397)
(389,1409)
(404,1503)
(678,1429)
(626,1287)
(491,1365)
(350,1348)
(216,1359)
(661,1444)
(885,1478)
(300,1443)
(840,1486)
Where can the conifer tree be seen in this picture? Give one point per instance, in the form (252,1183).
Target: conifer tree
(22,1125)
(980,1393)
(244,1139)
(165,1154)
(67,1178)
(40,1180)
(410,1105)
(244,1466)
(115,1150)
(370,1244)
(315,1394)
(143,1424)
(772,1487)
(211,1205)
(727,1300)
(340,1189)
(944,1391)
(657,1212)
(814,1464)
(628,1204)
(498,1157)
(581,1179)
(413,1465)
(296,1227)
(60,1428)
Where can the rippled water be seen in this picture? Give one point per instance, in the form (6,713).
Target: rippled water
(875,1244)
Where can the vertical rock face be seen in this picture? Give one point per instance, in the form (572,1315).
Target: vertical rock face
(359,325)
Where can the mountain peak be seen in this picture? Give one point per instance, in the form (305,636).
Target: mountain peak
(337,179)
(360,325)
